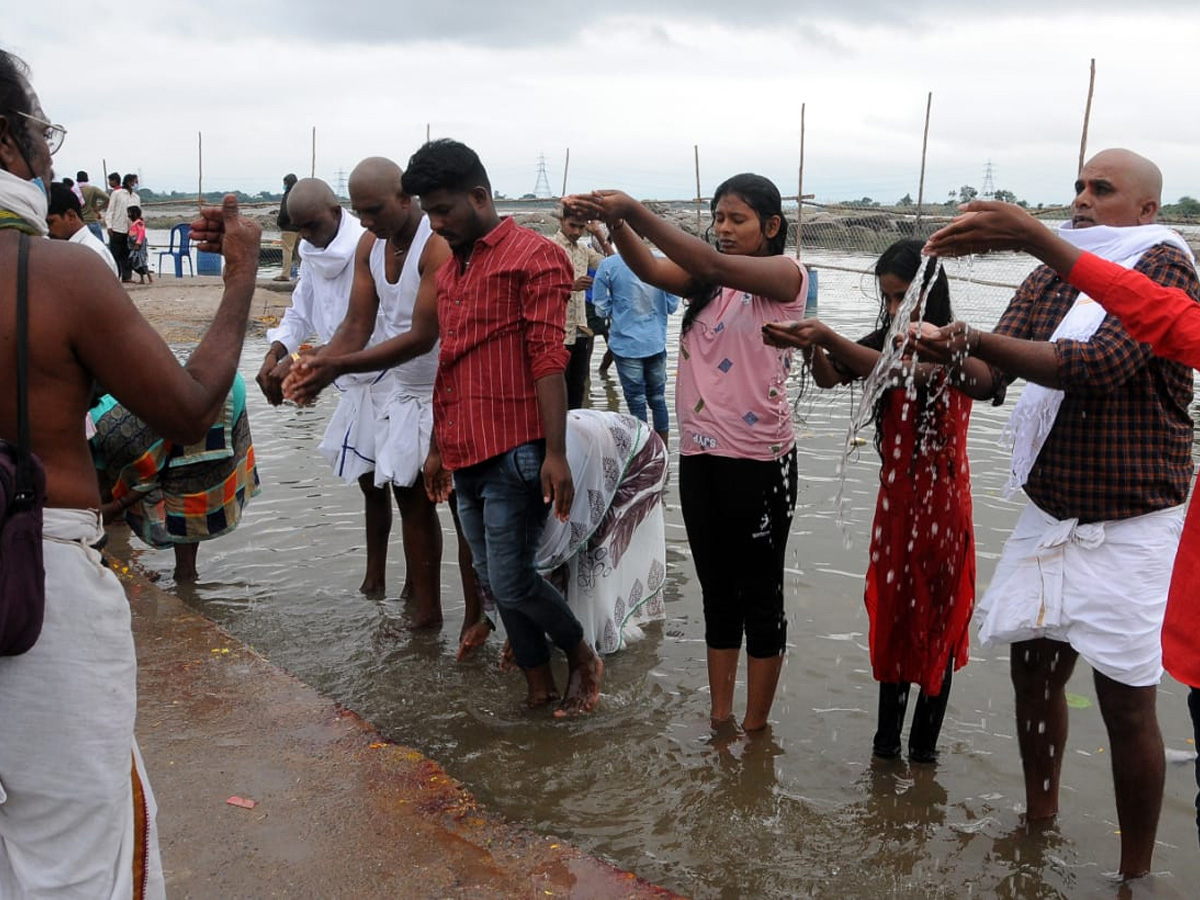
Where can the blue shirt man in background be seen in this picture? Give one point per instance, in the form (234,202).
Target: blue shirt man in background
(637,337)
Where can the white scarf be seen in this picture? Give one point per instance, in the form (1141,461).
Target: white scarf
(328,262)
(25,199)
(1035,413)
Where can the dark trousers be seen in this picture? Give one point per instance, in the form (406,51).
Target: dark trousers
(927,719)
(118,243)
(577,371)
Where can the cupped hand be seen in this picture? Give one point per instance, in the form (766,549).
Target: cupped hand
(801,334)
(985,225)
(311,374)
(948,345)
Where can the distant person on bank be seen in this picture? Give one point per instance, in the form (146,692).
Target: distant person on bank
(64,220)
(288,232)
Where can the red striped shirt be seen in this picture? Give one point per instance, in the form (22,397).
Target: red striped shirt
(501,316)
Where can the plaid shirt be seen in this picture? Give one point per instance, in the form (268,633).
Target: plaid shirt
(1122,443)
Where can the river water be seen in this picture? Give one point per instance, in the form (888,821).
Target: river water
(801,811)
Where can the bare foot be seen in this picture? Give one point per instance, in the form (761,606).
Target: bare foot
(508,659)
(371,588)
(542,689)
(583,683)
(424,621)
(472,637)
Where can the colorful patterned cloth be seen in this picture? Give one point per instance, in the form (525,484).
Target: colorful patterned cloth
(190,493)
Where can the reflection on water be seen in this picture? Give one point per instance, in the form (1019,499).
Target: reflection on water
(801,811)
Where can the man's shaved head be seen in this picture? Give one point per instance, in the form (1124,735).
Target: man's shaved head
(308,197)
(376,174)
(314,211)
(378,198)
(1117,187)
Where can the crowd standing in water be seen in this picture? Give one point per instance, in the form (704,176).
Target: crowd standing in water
(445,329)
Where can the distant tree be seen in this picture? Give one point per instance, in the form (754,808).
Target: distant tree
(966,194)
(865,201)
(1187,206)
(906,200)
(1005,196)
(1024,204)
(529,196)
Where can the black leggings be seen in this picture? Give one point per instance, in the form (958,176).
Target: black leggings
(738,513)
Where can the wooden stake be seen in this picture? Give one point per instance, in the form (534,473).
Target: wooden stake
(427,132)
(200,169)
(313,171)
(566,167)
(699,198)
(924,149)
(800,185)
(1087,115)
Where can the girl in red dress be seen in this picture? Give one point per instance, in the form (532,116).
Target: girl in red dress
(920,588)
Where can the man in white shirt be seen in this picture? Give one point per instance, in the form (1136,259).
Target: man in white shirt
(65,219)
(116,215)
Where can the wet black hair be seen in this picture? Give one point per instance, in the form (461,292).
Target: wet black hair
(63,200)
(761,195)
(447,164)
(903,259)
(16,97)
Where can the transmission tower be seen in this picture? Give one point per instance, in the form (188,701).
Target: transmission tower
(989,186)
(341,183)
(541,188)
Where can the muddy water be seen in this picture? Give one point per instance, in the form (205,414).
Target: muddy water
(642,781)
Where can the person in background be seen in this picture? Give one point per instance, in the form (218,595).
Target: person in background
(637,337)
(578,334)
(288,232)
(93,201)
(63,218)
(138,261)
(117,218)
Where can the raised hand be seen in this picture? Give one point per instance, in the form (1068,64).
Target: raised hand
(986,225)
(221,230)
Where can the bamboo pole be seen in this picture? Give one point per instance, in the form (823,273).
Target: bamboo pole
(566,167)
(800,185)
(1087,115)
(699,198)
(104,174)
(427,132)
(200,169)
(313,170)
(924,150)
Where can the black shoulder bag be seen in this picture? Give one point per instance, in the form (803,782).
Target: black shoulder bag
(22,496)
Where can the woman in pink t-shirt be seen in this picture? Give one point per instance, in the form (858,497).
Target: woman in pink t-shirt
(737,471)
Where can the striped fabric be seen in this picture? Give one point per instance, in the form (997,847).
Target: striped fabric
(501,313)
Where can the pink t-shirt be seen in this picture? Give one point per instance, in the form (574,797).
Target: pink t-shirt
(731,392)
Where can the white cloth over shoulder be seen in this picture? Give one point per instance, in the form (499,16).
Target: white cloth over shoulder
(66,745)
(1100,587)
(322,294)
(25,199)
(1033,417)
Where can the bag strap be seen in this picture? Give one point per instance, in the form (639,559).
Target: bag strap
(24,487)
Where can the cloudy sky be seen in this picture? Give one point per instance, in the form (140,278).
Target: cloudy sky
(629,86)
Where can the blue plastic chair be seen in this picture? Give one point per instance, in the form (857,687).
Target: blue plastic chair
(180,249)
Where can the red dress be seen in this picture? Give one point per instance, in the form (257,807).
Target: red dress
(921,581)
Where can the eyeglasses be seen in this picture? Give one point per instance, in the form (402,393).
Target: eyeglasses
(53,134)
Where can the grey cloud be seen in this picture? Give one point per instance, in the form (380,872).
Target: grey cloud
(525,23)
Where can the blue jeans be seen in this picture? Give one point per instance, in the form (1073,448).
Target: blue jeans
(94,228)
(502,515)
(644,381)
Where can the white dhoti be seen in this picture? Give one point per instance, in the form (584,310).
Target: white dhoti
(352,438)
(405,429)
(67,707)
(1100,587)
